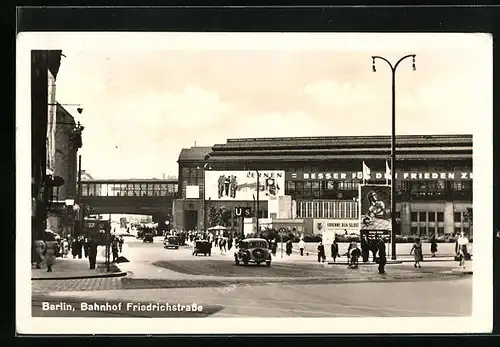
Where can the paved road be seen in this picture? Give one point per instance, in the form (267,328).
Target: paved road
(403,299)
(153,261)
(284,290)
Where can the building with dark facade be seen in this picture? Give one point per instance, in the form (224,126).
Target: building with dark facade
(322,176)
(68,140)
(44,68)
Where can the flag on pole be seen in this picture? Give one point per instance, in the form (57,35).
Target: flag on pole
(366,172)
(387,173)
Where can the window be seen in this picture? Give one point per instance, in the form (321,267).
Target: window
(414,230)
(440,231)
(290,188)
(414,216)
(144,189)
(440,216)
(398,214)
(431,231)
(457,217)
(458,231)
(163,189)
(466,230)
(423,216)
(432,216)
(316,192)
(330,185)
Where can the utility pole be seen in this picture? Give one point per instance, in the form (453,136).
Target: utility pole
(393,145)
(257,203)
(78,198)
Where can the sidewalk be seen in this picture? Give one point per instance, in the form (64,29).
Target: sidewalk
(69,268)
(312,257)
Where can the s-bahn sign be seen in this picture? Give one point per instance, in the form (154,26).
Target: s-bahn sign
(401,175)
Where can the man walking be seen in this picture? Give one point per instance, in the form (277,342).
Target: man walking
(302,245)
(321,252)
(382,257)
(92,245)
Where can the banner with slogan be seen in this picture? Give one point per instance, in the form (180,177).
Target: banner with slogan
(375,207)
(336,226)
(358,175)
(242,185)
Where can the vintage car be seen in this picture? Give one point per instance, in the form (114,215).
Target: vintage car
(202,247)
(148,237)
(171,242)
(253,251)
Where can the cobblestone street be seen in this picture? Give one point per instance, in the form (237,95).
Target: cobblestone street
(81,284)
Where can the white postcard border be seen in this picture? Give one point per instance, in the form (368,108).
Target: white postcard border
(482,317)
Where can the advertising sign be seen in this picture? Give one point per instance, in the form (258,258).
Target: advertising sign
(192,192)
(358,175)
(375,203)
(336,226)
(242,185)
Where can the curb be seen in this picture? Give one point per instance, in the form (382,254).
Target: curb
(387,278)
(389,262)
(105,275)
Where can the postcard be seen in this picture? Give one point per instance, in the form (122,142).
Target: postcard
(254,183)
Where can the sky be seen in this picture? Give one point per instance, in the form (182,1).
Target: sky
(144,98)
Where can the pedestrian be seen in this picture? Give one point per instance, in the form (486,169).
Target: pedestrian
(434,246)
(39,252)
(335,250)
(221,246)
(229,243)
(382,256)
(64,248)
(114,249)
(302,245)
(274,246)
(365,248)
(417,251)
(289,247)
(92,253)
(80,246)
(374,247)
(50,254)
(463,252)
(321,252)
(74,247)
(85,247)
(120,244)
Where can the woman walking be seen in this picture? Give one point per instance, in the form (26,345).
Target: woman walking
(434,246)
(417,251)
(50,254)
(463,252)
(335,250)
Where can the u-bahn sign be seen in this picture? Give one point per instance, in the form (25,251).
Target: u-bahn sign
(244,212)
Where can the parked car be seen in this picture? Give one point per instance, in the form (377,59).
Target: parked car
(148,237)
(253,250)
(202,247)
(171,242)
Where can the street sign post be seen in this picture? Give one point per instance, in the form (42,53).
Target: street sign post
(282,230)
(243,212)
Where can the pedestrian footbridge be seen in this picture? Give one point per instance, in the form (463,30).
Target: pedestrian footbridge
(146,197)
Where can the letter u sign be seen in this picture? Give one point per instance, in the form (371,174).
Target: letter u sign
(238,211)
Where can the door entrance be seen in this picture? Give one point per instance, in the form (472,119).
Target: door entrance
(190,220)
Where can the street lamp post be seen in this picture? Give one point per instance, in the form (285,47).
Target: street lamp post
(257,203)
(393,144)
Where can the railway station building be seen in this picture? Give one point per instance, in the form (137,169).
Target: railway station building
(305,180)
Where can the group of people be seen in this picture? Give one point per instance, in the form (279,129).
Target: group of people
(52,247)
